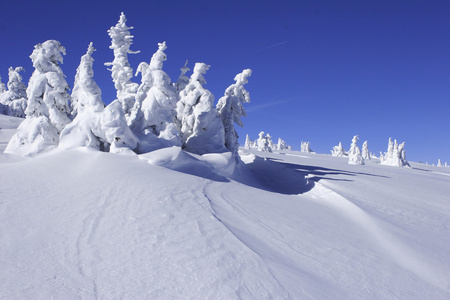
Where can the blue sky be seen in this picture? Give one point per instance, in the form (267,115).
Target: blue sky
(323,71)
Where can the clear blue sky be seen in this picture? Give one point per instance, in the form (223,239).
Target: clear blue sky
(323,71)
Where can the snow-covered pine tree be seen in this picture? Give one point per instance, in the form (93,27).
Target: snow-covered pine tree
(2,86)
(47,110)
(154,112)
(199,124)
(305,147)
(183,80)
(338,151)
(248,142)
(3,109)
(121,71)
(281,145)
(439,164)
(354,154)
(263,143)
(231,110)
(87,105)
(269,141)
(402,154)
(365,151)
(115,129)
(15,98)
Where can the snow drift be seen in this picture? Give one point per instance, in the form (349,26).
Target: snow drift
(169,224)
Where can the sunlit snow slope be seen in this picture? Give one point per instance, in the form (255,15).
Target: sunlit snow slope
(170,225)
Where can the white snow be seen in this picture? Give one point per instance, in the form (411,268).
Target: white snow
(173,225)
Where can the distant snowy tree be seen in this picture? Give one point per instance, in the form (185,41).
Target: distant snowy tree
(439,164)
(248,142)
(231,109)
(365,151)
(2,86)
(395,155)
(402,153)
(269,141)
(183,80)
(154,112)
(15,98)
(121,71)
(338,151)
(354,154)
(263,143)
(281,145)
(87,104)
(2,90)
(199,124)
(305,147)
(47,111)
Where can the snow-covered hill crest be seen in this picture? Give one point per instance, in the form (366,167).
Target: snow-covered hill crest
(169,225)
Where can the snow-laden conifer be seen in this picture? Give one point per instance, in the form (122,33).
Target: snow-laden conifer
(354,154)
(47,110)
(248,143)
(269,141)
(115,129)
(3,109)
(121,71)
(200,127)
(183,80)
(153,115)
(395,155)
(87,104)
(439,164)
(305,147)
(338,151)
(281,145)
(365,151)
(231,110)
(263,143)
(15,98)
(2,86)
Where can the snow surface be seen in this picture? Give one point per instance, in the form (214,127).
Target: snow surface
(173,225)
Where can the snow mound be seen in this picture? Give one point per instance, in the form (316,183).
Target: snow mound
(213,166)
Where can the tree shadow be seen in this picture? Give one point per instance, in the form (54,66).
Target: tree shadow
(272,176)
(276,176)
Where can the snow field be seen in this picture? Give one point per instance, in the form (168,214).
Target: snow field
(170,225)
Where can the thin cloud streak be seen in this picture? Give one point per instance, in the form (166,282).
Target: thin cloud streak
(269,47)
(263,106)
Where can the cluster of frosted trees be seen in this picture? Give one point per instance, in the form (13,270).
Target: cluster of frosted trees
(395,155)
(13,96)
(151,115)
(355,156)
(442,165)
(264,143)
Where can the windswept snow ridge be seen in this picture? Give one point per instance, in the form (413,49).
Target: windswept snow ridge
(174,225)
